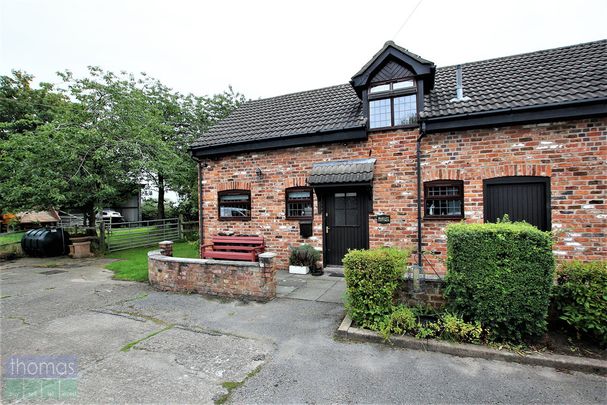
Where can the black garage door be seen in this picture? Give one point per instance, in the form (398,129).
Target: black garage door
(522,198)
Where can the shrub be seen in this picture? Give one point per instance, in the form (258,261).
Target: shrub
(304,255)
(454,328)
(402,320)
(428,330)
(372,277)
(407,320)
(580,297)
(500,275)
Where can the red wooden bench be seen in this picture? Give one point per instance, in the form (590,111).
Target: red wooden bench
(244,248)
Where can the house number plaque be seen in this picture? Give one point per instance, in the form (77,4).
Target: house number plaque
(383,219)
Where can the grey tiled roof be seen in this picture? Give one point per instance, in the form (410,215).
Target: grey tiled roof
(309,112)
(568,74)
(342,171)
(572,73)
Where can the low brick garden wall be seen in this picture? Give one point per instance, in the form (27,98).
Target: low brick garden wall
(224,278)
(429,291)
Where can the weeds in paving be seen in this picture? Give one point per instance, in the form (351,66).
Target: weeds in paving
(20,318)
(129,345)
(140,296)
(232,385)
(5,296)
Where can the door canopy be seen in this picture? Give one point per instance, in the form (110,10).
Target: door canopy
(357,172)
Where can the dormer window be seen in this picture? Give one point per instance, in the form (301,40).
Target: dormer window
(392,86)
(392,104)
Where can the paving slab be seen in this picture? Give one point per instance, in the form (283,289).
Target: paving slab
(308,287)
(310,294)
(334,294)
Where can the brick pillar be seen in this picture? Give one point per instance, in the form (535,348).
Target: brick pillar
(166,248)
(268,272)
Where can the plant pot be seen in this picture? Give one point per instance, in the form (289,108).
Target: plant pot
(318,272)
(299,269)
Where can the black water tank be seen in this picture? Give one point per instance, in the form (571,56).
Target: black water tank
(45,242)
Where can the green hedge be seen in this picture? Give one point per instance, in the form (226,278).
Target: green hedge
(500,275)
(372,277)
(580,297)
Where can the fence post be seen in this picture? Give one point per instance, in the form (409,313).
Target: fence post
(180,227)
(102,236)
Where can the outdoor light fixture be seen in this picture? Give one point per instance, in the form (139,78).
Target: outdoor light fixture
(259,173)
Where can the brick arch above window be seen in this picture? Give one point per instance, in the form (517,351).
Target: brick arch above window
(296,182)
(516,170)
(234,185)
(434,173)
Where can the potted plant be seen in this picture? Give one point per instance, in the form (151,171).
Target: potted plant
(302,258)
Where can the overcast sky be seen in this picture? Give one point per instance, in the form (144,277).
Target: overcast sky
(267,48)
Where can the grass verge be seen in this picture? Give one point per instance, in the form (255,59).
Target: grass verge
(12,237)
(133,265)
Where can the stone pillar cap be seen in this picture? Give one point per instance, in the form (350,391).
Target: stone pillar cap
(267,255)
(166,242)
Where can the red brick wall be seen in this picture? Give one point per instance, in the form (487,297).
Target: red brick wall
(571,153)
(239,280)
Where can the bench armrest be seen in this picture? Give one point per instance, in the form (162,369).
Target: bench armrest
(207,245)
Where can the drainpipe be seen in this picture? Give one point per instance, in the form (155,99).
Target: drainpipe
(422,133)
(200,202)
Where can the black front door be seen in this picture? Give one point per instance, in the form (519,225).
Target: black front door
(346,223)
(522,198)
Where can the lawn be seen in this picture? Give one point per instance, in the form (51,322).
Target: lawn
(13,237)
(134,263)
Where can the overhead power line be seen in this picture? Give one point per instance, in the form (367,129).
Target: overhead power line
(407,19)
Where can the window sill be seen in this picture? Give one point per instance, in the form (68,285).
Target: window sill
(443,218)
(383,129)
(234,219)
(299,218)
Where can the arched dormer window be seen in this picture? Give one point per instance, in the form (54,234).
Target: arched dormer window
(392,104)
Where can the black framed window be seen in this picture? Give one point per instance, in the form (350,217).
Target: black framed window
(444,199)
(392,104)
(234,205)
(346,209)
(299,203)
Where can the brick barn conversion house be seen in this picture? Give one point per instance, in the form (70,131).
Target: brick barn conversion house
(406,148)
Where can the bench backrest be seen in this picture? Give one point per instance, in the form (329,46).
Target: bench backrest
(238,240)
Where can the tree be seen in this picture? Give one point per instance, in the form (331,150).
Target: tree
(201,114)
(99,137)
(183,118)
(23,108)
(92,151)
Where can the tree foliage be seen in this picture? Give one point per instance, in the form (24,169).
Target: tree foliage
(95,138)
(23,108)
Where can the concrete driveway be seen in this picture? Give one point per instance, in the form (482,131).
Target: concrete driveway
(134,344)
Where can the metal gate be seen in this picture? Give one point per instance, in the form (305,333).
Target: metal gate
(128,235)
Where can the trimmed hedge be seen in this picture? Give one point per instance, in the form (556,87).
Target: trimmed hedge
(372,277)
(500,275)
(580,297)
